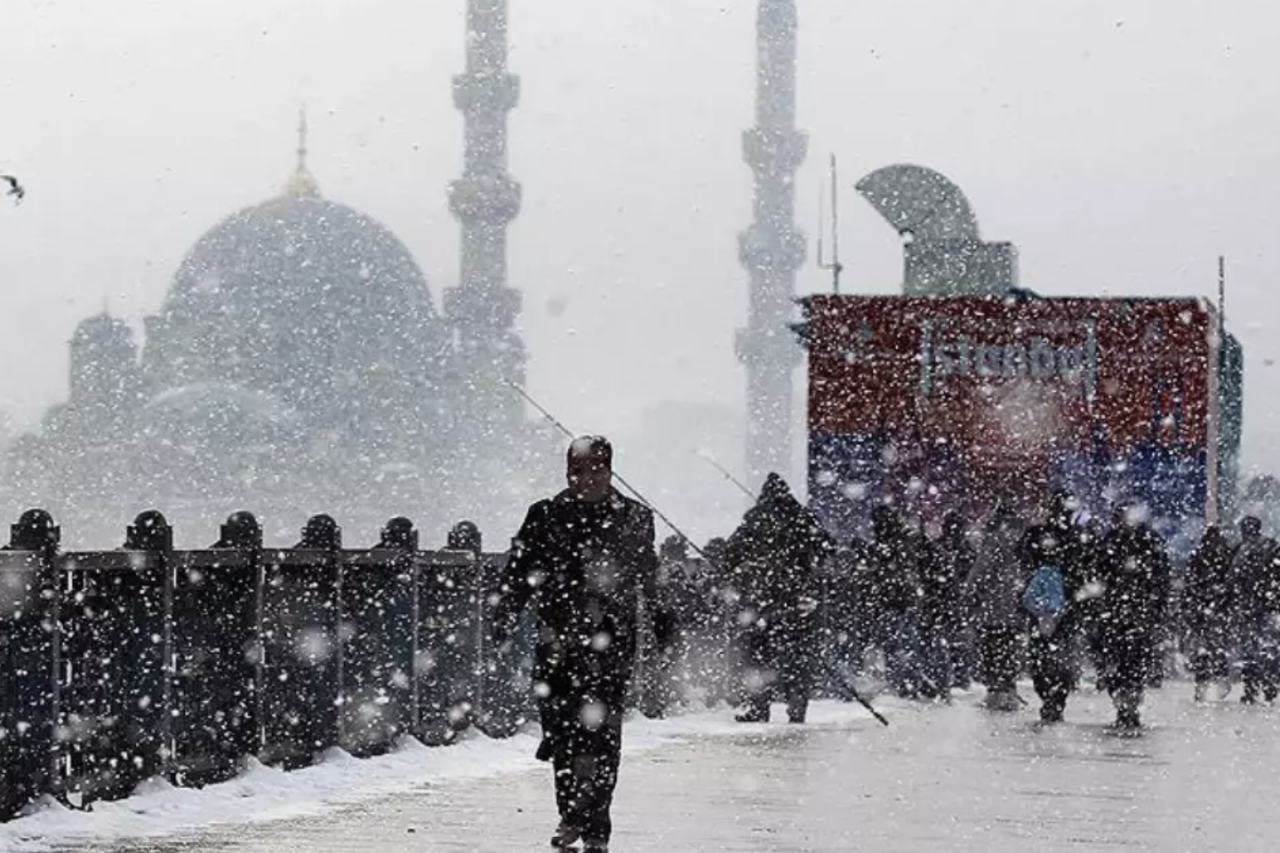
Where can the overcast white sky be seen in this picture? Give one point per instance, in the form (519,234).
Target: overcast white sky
(1121,145)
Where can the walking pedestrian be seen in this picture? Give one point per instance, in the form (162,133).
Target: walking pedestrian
(1207,603)
(775,555)
(586,560)
(1053,557)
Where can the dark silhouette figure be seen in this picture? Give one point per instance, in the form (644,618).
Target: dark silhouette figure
(586,560)
(948,561)
(1208,602)
(774,556)
(993,597)
(889,588)
(1131,570)
(1255,567)
(1052,650)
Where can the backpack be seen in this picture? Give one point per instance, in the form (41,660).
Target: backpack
(1046,594)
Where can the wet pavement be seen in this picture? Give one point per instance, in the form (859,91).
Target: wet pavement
(939,779)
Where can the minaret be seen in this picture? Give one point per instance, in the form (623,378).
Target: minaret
(772,249)
(482,309)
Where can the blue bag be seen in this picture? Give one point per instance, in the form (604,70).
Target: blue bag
(1046,594)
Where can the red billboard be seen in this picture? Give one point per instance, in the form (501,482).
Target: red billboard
(1006,392)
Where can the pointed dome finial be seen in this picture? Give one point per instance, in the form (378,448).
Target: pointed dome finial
(302,138)
(301,184)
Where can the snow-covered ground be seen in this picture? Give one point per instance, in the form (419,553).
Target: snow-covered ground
(265,793)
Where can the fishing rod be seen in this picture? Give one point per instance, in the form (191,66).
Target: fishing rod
(706,456)
(552,419)
(857,697)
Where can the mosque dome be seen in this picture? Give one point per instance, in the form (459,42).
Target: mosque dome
(297,251)
(300,297)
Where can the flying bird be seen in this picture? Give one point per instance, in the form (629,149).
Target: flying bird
(15,188)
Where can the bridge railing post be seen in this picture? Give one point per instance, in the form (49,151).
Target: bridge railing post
(217,649)
(115,647)
(300,627)
(30,663)
(378,615)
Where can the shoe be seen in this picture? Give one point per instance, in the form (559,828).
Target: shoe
(1002,700)
(566,836)
(1050,713)
(753,715)
(1128,720)
(1202,691)
(595,847)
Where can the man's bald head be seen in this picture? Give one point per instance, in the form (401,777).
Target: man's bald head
(590,467)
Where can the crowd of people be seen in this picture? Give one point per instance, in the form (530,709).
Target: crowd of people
(780,610)
(987,602)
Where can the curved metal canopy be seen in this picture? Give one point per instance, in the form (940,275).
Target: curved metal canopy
(920,202)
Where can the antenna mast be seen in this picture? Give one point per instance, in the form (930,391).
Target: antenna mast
(1222,295)
(835,266)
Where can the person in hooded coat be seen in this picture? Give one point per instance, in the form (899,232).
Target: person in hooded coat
(774,556)
(721,626)
(1131,568)
(1207,604)
(586,560)
(1255,569)
(890,592)
(993,600)
(659,676)
(948,561)
(1052,653)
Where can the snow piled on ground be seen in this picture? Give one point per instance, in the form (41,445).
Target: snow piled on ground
(264,793)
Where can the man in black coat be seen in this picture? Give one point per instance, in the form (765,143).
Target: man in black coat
(1057,542)
(889,590)
(1255,568)
(586,559)
(947,562)
(774,556)
(1132,565)
(1208,603)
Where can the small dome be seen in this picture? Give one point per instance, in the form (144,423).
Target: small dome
(100,327)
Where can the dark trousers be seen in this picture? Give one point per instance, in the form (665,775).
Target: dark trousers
(1261,652)
(656,689)
(779,664)
(581,717)
(586,775)
(1211,654)
(1053,667)
(1000,646)
(1126,659)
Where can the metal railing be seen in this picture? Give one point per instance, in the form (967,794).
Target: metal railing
(118,666)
